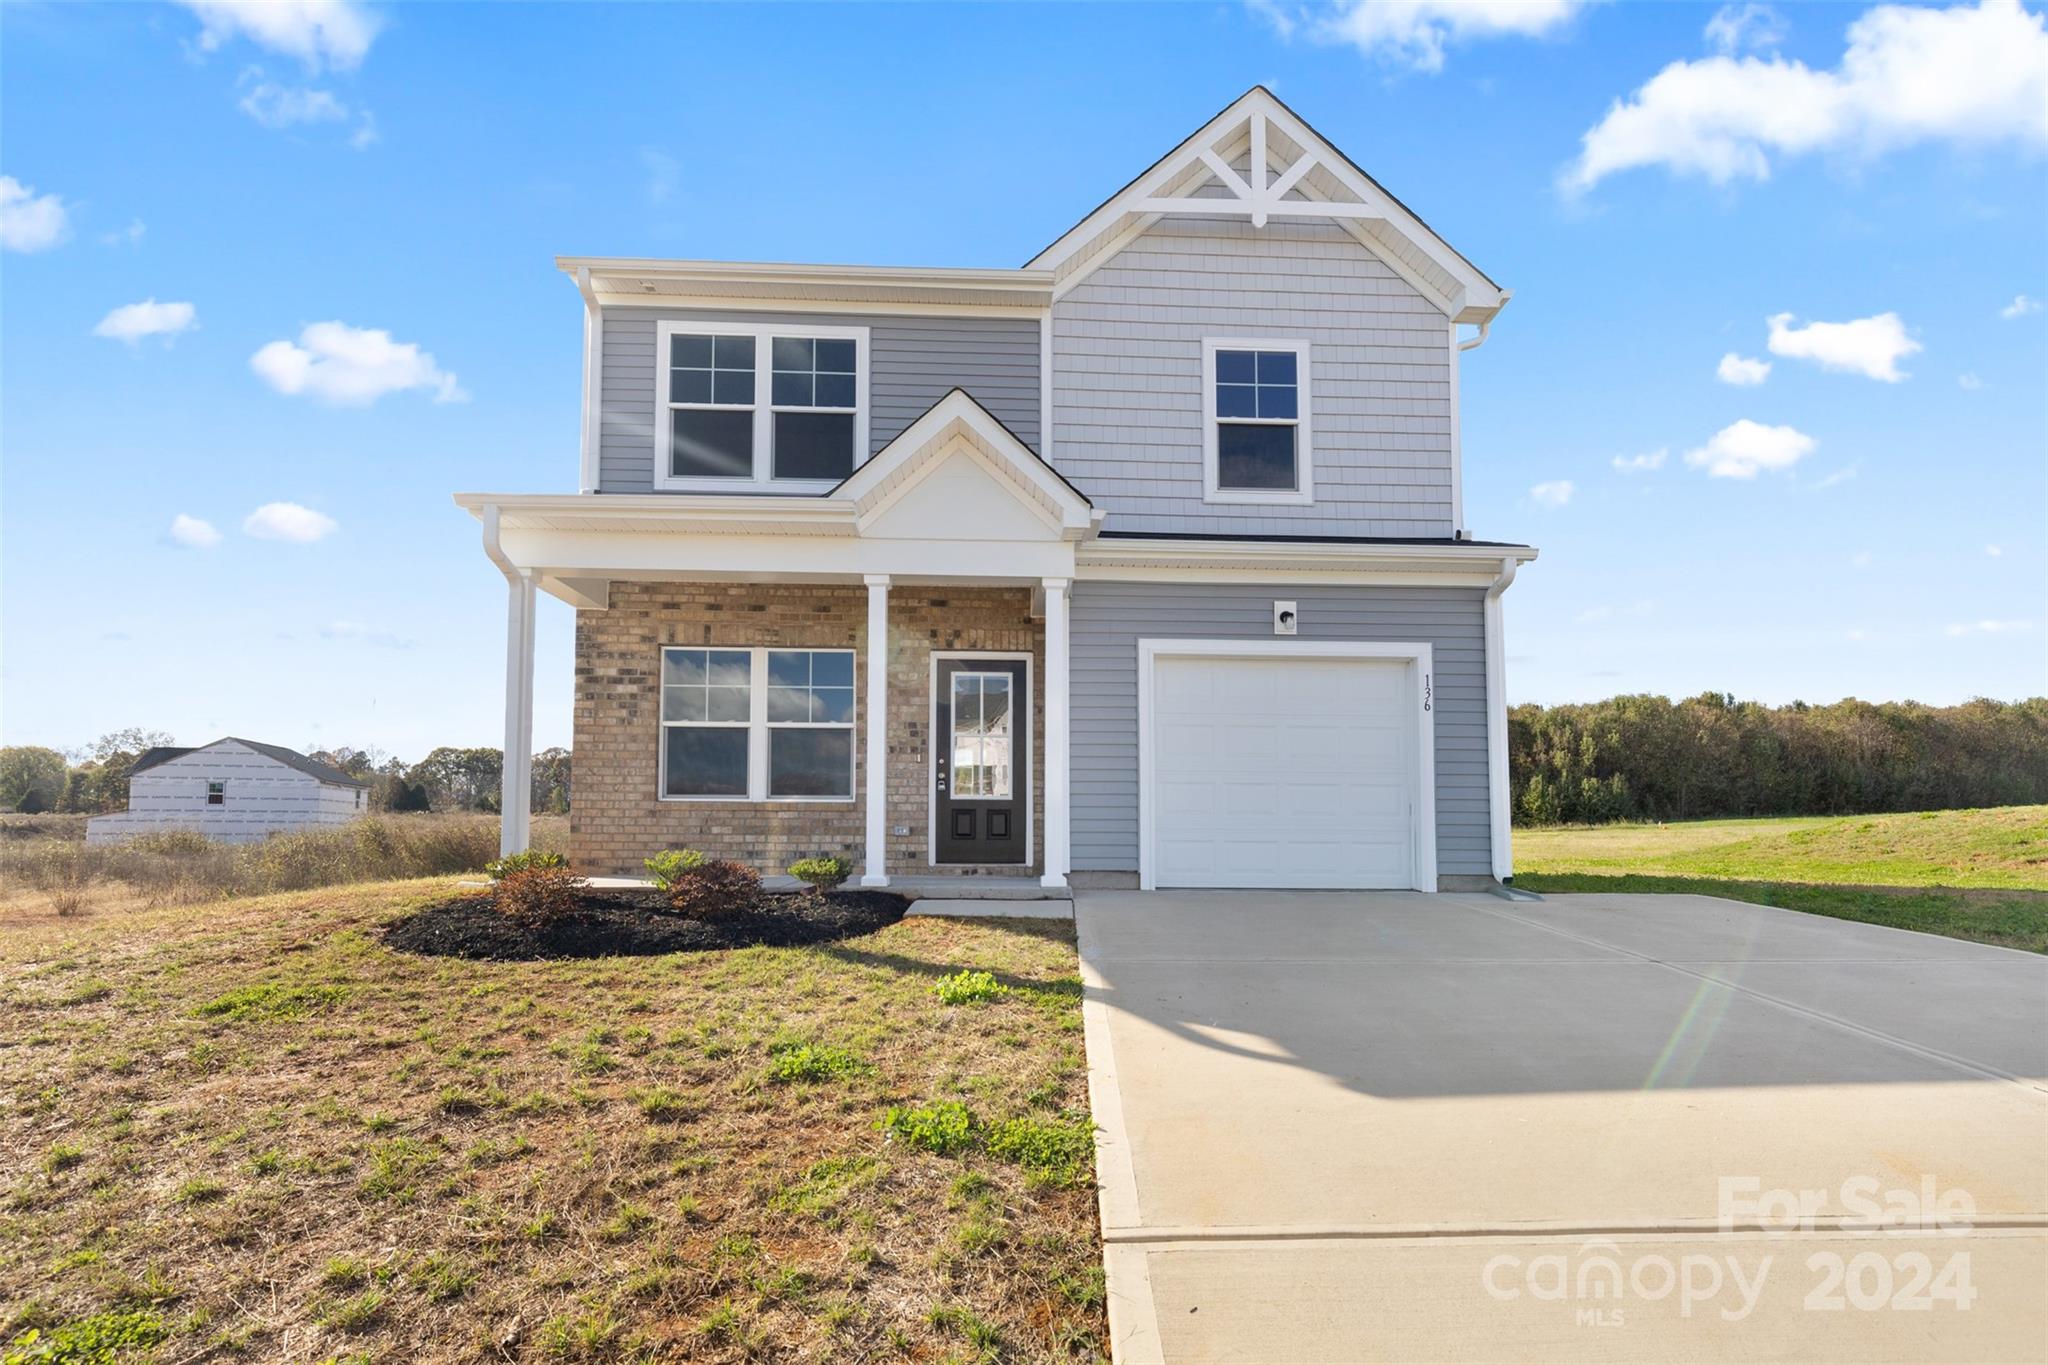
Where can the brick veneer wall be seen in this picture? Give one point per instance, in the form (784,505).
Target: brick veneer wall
(616,818)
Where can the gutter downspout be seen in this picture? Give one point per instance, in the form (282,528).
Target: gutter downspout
(593,377)
(1485,327)
(1498,796)
(515,791)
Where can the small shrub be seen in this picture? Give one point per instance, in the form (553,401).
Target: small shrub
(813,1062)
(671,865)
(539,896)
(716,887)
(822,874)
(968,988)
(941,1129)
(531,860)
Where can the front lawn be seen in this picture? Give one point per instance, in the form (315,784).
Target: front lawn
(1972,874)
(248,1127)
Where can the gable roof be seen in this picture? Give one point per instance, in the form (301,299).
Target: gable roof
(957,418)
(291,758)
(1227,167)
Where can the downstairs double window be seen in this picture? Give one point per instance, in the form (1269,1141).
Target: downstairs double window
(756,724)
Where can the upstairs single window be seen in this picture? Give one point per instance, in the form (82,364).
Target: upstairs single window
(216,793)
(760,407)
(1256,442)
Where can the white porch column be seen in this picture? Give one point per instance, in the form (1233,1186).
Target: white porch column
(875,871)
(515,823)
(1057,830)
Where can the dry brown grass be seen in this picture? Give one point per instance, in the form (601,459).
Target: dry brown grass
(47,868)
(285,1141)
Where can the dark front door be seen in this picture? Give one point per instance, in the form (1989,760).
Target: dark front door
(982,738)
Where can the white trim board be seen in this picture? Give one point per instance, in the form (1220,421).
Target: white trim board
(931,751)
(1420,659)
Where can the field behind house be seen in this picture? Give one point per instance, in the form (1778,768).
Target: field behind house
(1975,874)
(47,867)
(257,1132)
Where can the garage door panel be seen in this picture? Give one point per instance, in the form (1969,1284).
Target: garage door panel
(1272,772)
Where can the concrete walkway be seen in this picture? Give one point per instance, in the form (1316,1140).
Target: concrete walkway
(1389,1126)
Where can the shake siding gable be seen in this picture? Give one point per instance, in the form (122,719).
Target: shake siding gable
(1128,406)
(913,362)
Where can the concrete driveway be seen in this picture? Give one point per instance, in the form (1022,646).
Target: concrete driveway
(1389,1126)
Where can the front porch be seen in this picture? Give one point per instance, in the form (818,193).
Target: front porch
(880,672)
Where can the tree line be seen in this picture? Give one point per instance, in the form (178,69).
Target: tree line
(1650,758)
(94,780)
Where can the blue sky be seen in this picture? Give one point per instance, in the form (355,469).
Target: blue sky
(412,170)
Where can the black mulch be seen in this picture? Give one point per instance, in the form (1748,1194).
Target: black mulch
(636,924)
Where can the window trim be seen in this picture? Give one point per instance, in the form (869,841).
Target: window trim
(757,727)
(763,406)
(211,793)
(1303,494)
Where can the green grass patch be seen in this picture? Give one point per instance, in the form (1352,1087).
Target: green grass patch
(1059,1151)
(813,1062)
(270,1002)
(2004,848)
(96,1340)
(2009,919)
(969,988)
(943,1129)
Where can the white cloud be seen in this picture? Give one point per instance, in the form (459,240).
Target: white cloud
(1995,551)
(1741,371)
(333,32)
(285,106)
(291,106)
(1414,33)
(31,221)
(1743,449)
(1554,493)
(2021,305)
(194,533)
(288,521)
(1840,476)
(1751,25)
(1641,464)
(131,322)
(1990,627)
(353,366)
(127,236)
(1868,346)
(1909,75)
(1969,382)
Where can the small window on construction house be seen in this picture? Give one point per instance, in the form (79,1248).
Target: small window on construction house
(216,793)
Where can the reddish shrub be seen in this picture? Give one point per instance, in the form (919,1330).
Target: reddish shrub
(539,896)
(715,888)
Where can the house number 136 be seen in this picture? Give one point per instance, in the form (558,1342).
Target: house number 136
(1425,692)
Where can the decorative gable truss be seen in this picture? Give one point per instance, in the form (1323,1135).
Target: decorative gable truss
(1260,160)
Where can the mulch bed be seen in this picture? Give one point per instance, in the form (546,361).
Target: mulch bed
(638,924)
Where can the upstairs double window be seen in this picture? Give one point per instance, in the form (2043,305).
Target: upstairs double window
(759,407)
(1256,430)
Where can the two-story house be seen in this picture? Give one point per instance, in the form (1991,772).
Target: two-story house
(1142,564)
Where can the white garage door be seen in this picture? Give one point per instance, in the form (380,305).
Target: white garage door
(1282,772)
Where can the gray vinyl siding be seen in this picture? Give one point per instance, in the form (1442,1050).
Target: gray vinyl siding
(1128,407)
(912,361)
(1108,620)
